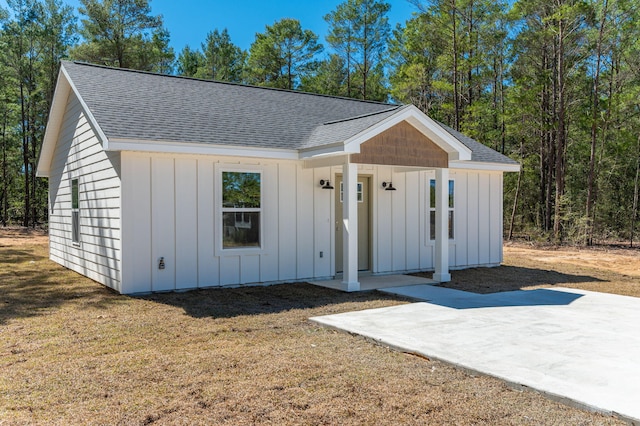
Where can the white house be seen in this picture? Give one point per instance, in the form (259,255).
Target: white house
(163,183)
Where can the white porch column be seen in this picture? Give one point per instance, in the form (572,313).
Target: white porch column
(350,227)
(441,273)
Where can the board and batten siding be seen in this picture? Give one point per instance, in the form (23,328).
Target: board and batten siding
(400,219)
(79,155)
(478,226)
(171,211)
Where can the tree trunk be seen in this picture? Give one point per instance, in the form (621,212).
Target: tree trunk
(348,51)
(456,84)
(25,157)
(594,130)
(517,194)
(365,57)
(4,204)
(560,151)
(470,70)
(32,170)
(636,183)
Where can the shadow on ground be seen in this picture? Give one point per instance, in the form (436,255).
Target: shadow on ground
(32,285)
(509,278)
(233,302)
(457,299)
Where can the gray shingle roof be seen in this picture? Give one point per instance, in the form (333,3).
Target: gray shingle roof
(479,152)
(341,130)
(135,105)
(151,107)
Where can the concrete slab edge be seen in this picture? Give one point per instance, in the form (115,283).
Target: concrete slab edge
(515,385)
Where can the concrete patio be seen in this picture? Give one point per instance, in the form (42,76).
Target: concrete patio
(577,346)
(374,282)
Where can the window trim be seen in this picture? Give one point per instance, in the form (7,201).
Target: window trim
(451,209)
(75,211)
(219,211)
(359,191)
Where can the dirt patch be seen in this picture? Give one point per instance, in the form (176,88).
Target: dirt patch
(19,236)
(618,260)
(608,270)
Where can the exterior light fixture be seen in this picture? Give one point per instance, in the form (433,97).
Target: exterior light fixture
(388,186)
(325,184)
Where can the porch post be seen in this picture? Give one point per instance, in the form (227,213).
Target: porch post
(441,273)
(350,227)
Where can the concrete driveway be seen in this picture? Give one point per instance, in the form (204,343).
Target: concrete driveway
(578,346)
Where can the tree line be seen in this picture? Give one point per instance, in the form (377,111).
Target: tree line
(553,84)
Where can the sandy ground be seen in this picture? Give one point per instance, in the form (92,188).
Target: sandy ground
(618,260)
(18,236)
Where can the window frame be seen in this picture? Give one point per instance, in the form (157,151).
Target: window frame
(359,191)
(431,207)
(75,211)
(221,250)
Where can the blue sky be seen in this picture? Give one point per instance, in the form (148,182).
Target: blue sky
(189,21)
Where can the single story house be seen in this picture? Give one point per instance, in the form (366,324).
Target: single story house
(160,183)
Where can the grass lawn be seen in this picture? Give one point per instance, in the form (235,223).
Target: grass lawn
(73,352)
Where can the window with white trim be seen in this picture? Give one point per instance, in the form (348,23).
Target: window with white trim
(359,192)
(432,209)
(75,211)
(241,209)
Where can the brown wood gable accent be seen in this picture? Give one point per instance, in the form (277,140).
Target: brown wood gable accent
(401,145)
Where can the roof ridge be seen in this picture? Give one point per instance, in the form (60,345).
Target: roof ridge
(369,114)
(228,83)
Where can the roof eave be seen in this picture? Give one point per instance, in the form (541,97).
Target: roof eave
(200,148)
(64,87)
(485,166)
(337,148)
(52,130)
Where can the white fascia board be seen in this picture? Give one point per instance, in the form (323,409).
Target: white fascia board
(54,123)
(64,86)
(410,113)
(323,151)
(87,112)
(326,161)
(476,165)
(195,148)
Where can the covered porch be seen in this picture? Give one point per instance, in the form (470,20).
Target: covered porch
(408,142)
(368,281)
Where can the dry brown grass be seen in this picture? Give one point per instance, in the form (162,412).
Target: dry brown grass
(607,270)
(73,352)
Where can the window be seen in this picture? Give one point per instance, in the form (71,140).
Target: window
(75,211)
(241,210)
(359,192)
(432,209)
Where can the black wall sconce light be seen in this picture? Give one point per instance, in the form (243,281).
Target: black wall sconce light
(325,184)
(388,186)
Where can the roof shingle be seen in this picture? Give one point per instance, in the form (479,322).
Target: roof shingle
(134,105)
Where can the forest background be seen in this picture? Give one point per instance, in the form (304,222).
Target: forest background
(554,84)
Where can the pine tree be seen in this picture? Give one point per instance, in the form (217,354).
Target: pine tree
(358,32)
(124,34)
(282,55)
(189,62)
(223,60)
